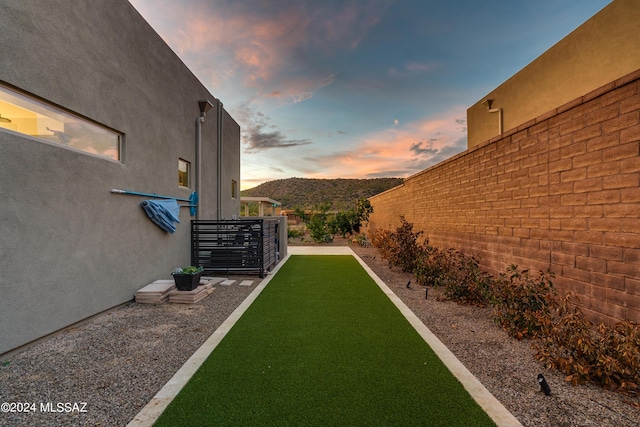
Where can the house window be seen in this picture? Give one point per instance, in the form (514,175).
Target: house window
(184,169)
(29,116)
(234,189)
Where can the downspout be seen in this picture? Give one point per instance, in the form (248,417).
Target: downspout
(204,107)
(199,122)
(220,150)
(499,111)
(488,103)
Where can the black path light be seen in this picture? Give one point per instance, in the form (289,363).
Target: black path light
(543,385)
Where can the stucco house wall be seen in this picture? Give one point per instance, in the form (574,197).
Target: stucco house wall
(600,51)
(69,248)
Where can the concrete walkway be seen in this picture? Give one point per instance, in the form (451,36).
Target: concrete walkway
(150,413)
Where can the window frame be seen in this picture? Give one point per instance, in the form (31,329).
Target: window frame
(46,110)
(187,173)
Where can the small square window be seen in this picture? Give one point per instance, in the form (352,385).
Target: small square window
(184,168)
(234,189)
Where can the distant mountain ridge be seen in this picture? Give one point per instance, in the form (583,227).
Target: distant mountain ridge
(305,193)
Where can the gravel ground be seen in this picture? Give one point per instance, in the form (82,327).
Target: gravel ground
(116,362)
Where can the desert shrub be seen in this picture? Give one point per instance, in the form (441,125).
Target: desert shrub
(459,274)
(360,239)
(466,283)
(400,248)
(381,239)
(520,301)
(404,248)
(431,266)
(605,355)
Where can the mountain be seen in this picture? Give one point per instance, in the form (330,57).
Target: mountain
(305,193)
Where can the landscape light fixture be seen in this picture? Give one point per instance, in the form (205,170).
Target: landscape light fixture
(544,386)
(204,107)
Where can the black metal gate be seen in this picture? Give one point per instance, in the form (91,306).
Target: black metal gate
(242,246)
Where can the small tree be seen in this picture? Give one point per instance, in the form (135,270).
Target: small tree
(350,221)
(318,225)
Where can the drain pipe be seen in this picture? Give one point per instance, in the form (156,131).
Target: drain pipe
(219,162)
(205,106)
(488,103)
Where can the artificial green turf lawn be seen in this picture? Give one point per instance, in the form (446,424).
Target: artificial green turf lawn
(322,345)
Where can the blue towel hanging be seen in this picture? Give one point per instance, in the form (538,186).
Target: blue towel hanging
(163,212)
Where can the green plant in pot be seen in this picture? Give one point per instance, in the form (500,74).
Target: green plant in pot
(187,278)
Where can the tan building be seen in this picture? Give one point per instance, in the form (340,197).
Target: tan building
(603,49)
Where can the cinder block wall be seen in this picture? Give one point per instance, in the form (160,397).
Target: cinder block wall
(561,192)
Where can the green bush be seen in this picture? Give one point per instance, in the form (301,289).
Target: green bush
(319,229)
(292,233)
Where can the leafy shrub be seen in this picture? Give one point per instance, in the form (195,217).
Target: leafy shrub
(432,266)
(292,233)
(361,239)
(605,355)
(404,248)
(460,275)
(521,301)
(382,240)
(319,229)
(466,283)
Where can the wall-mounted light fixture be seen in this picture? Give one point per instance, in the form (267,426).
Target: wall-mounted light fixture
(205,105)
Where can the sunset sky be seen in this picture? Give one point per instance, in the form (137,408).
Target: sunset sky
(356,88)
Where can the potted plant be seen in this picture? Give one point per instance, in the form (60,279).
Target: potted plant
(187,278)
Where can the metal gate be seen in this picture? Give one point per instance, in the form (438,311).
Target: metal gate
(241,246)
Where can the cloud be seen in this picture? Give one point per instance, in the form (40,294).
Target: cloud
(397,151)
(413,69)
(301,89)
(270,49)
(258,133)
(427,151)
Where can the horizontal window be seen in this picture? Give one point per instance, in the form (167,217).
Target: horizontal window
(35,118)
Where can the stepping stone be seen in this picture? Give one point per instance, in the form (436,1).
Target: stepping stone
(246,283)
(190,297)
(155,293)
(227,282)
(211,280)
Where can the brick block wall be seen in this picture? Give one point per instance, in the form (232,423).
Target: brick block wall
(560,192)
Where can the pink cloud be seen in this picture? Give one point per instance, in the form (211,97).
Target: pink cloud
(400,150)
(238,43)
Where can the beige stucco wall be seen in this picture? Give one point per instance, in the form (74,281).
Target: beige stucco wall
(603,49)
